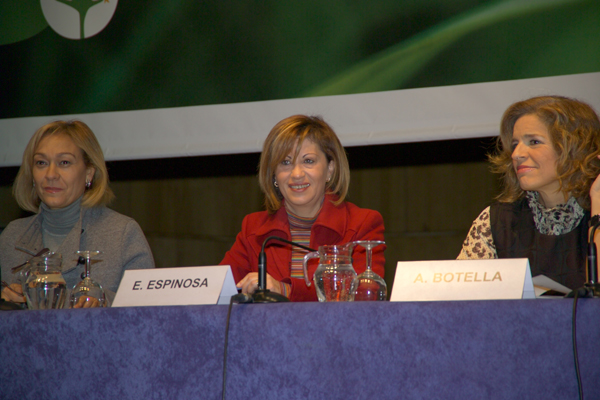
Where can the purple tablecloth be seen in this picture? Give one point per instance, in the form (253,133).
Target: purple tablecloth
(452,350)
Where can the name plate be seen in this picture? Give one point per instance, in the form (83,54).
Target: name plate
(495,279)
(176,286)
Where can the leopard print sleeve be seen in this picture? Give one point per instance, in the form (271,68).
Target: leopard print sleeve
(479,242)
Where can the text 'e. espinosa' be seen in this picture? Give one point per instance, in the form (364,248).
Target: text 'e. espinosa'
(172,284)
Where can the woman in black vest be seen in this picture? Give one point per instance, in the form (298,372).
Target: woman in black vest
(548,155)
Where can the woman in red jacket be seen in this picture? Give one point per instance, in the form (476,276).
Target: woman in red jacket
(304,175)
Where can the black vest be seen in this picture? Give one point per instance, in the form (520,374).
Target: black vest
(561,258)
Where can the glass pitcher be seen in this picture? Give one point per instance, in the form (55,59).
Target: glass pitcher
(334,278)
(45,287)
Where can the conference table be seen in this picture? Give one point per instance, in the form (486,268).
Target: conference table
(501,349)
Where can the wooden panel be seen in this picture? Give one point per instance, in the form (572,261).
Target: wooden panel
(427,210)
(9,210)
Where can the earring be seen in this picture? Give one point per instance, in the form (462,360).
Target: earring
(275,183)
(88,184)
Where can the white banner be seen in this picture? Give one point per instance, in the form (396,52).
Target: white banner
(410,115)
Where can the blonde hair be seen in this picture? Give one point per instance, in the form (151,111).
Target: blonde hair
(290,132)
(98,194)
(574,131)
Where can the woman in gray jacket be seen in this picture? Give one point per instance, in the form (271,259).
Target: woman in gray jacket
(64,180)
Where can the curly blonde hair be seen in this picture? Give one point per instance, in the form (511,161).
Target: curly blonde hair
(282,139)
(574,130)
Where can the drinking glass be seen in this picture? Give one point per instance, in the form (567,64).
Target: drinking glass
(370,286)
(87,291)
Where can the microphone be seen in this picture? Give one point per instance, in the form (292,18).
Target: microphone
(592,258)
(591,288)
(592,285)
(262,294)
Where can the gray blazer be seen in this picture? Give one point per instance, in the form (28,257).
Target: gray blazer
(119,237)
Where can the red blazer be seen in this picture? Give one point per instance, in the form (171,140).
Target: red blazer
(334,225)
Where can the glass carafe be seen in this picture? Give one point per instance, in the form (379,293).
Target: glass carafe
(45,287)
(334,277)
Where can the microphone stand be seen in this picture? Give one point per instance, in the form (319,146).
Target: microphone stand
(591,288)
(592,285)
(262,294)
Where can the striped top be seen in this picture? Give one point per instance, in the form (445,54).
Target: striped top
(300,230)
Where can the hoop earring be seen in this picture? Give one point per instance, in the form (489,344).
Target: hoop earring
(275,183)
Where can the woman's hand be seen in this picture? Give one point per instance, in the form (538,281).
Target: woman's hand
(87,302)
(14,293)
(249,283)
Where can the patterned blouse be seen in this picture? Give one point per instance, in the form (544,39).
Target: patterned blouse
(548,221)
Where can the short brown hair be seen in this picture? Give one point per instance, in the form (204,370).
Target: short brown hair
(98,194)
(574,130)
(290,132)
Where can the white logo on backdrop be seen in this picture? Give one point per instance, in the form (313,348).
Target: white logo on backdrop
(78,19)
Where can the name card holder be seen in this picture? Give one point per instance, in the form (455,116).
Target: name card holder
(176,286)
(495,279)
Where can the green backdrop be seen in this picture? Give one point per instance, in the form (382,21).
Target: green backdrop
(173,53)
